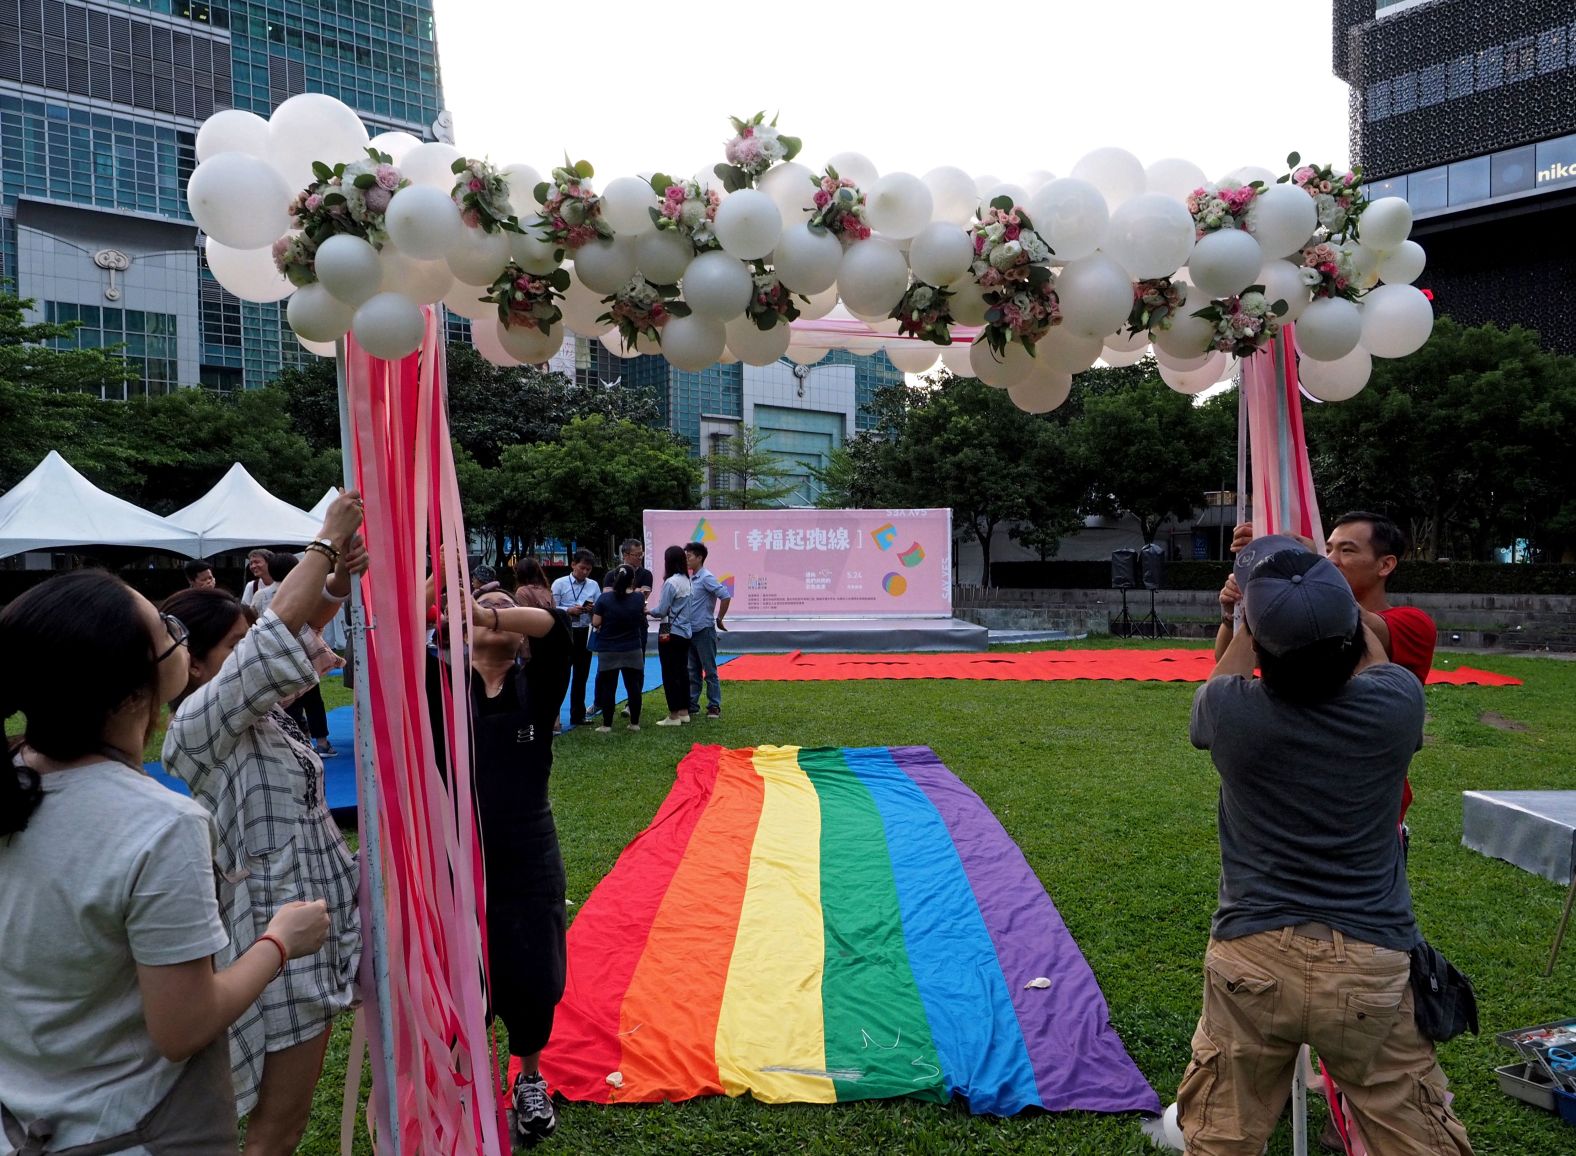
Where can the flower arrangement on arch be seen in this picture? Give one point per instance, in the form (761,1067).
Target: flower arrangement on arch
(771,302)
(1327,271)
(571,210)
(1155,304)
(839,207)
(1217,207)
(755,147)
(525,300)
(1337,194)
(686,207)
(351,197)
(640,309)
(1009,266)
(925,312)
(482,194)
(1244,324)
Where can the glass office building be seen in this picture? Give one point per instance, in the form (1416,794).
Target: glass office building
(100,102)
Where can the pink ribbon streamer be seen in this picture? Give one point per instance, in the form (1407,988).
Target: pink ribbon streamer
(446,1076)
(1284,501)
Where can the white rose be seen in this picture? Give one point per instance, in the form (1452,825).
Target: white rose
(1252,302)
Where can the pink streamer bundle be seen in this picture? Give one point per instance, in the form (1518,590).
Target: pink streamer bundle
(1283,497)
(445,1072)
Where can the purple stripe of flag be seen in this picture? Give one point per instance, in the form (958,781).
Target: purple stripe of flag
(1079,1061)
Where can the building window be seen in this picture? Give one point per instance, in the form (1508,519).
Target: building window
(1469,181)
(147,341)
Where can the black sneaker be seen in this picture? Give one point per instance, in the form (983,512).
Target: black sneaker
(535,1118)
(713,712)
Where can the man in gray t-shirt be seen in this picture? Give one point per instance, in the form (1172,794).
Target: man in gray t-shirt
(1309,942)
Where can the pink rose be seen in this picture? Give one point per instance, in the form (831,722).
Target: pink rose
(313,203)
(822,198)
(388,177)
(1012,232)
(475,185)
(1325,186)
(377,199)
(1303,175)
(674,193)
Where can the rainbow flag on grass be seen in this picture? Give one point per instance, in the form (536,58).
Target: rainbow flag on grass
(828,925)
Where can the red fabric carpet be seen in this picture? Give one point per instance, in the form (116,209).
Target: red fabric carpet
(1027,666)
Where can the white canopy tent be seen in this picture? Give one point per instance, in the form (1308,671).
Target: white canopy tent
(238,513)
(318,511)
(55,508)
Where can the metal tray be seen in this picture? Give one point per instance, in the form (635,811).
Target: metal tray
(1508,1039)
(1524,1084)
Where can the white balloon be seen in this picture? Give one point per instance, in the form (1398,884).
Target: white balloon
(1042,391)
(1072,217)
(313,127)
(879,322)
(940,253)
(581,307)
(477,256)
(233,131)
(1282,281)
(1188,335)
(662,255)
(432,164)
(395,145)
(465,300)
(756,346)
(1281,219)
(748,224)
(952,193)
(485,338)
(1336,380)
(1096,294)
(873,276)
(528,344)
(1014,366)
(1329,329)
(1067,352)
(1117,173)
(1247,174)
(239,200)
(1175,178)
(791,186)
(605,266)
(522,181)
(533,252)
(1172,1129)
(626,205)
(806,354)
(315,314)
(1396,321)
(967,302)
(423,221)
(1199,378)
(1015,193)
(422,281)
(806,259)
(1120,357)
(985,181)
(613,342)
(1386,222)
(1403,265)
(1150,235)
(1124,342)
(898,205)
(855,167)
(1225,262)
(349,268)
(250,274)
(1182,364)
(389,325)
(819,305)
(321,348)
(718,287)
(912,356)
(692,343)
(1038,179)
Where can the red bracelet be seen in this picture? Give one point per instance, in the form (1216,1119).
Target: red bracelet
(284,956)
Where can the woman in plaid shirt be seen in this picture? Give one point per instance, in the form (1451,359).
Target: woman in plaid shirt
(252,768)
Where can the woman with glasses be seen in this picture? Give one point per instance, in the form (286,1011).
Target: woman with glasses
(112,1011)
(249,765)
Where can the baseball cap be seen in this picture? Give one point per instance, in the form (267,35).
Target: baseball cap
(1291,596)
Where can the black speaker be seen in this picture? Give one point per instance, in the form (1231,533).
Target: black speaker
(1152,565)
(1124,569)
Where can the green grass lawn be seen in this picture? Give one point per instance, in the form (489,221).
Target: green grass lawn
(1116,812)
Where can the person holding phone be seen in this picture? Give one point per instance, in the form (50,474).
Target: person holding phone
(576,594)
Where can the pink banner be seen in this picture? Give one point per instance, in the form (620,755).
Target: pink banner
(818,563)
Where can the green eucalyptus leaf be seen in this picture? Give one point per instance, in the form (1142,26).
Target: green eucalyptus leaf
(583,170)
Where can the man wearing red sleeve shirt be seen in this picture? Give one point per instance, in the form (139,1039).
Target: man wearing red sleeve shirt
(1366,548)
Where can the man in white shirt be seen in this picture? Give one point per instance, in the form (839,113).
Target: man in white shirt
(575,594)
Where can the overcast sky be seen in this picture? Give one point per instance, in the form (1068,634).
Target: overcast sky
(912,84)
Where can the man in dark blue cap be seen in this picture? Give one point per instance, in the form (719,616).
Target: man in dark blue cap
(1309,941)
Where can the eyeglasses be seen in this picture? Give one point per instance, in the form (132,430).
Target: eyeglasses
(178,635)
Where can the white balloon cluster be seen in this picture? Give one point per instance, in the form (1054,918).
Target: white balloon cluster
(717,269)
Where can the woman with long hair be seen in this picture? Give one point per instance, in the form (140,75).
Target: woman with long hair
(673,635)
(619,619)
(112,1011)
(249,765)
(533,588)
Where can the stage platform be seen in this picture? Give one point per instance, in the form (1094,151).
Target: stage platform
(857,635)
(1534,830)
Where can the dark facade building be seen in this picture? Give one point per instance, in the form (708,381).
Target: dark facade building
(1467,108)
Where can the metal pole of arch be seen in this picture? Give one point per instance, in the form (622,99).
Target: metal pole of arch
(388,1138)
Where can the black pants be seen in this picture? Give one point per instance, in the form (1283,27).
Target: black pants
(607,687)
(526,954)
(310,714)
(673,654)
(580,667)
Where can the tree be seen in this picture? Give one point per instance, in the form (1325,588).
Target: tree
(750,476)
(27,362)
(853,477)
